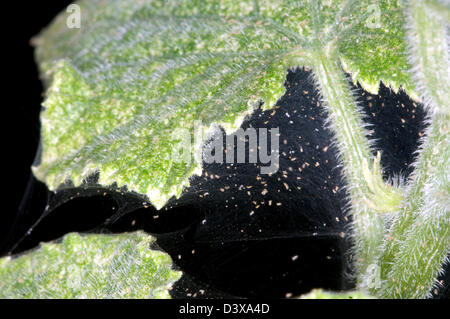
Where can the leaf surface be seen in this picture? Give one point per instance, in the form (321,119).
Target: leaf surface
(137,73)
(93,266)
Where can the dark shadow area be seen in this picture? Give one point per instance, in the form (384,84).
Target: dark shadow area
(396,124)
(21,104)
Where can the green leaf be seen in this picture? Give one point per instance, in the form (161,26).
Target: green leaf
(420,234)
(138,72)
(375,49)
(321,294)
(93,266)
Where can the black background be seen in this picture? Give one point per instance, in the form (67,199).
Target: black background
(22,97)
